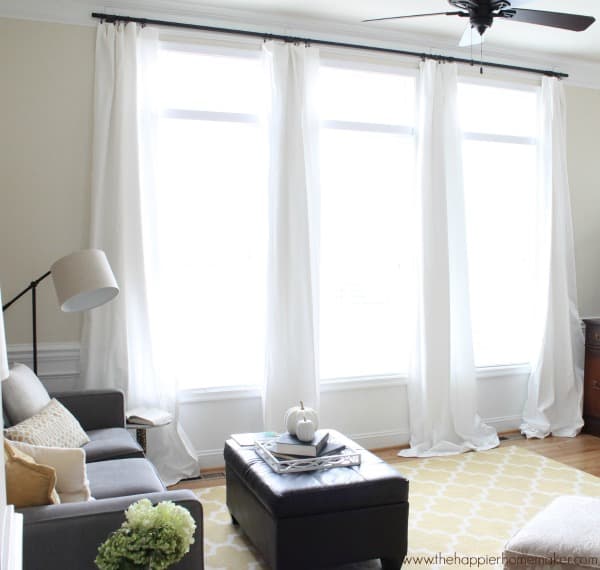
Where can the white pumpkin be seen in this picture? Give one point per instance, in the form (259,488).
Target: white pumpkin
(293,415)
(305,429)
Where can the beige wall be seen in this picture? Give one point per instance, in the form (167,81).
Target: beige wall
(46,92)
(583,140)
(45,137)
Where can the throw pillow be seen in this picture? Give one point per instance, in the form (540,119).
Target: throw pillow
(53,426)
(28,484)
(72,484)
(23,394)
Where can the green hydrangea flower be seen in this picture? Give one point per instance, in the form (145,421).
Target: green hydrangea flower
(153,537)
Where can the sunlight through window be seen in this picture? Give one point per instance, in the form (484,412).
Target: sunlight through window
(212,163)
(367,179)
(212,217)
(500,174)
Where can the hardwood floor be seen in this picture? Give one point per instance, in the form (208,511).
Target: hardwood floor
(581,452)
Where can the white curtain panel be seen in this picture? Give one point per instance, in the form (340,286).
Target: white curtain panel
(442,385)
(291,370)
(555,391)
(119,344)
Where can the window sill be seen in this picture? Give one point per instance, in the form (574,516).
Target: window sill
(337,384)
(385,381)
(218,393)
(485,372)
(363,382)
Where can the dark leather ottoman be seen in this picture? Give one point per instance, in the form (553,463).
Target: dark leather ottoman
(323,518)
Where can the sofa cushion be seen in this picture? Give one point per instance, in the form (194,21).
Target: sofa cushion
(23,394)
(28,483)
(53,426)
(111,443)
(121,477)
(69,463)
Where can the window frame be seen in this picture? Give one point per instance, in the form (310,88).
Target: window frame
(245,48)
(369,64)
(343,58)
(500,84)
(360,61)
(533,87)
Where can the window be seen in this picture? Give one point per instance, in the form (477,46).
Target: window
(367,177)
(500,173)
(212,214)
(368,171)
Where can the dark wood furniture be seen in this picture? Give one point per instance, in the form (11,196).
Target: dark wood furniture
(591,379)
(319,519)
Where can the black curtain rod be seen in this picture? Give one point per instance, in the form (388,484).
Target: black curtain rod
(112,18)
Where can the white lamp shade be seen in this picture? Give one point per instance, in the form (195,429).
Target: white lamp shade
(83,280)
(4,372)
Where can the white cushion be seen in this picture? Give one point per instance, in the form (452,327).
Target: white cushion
(72,483)
(53,426)
(564,534)
(23,394)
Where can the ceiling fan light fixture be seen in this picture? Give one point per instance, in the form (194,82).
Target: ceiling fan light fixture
(470,38)
(481,14)
(482,23)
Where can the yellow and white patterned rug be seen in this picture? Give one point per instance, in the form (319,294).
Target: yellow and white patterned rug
(463,509)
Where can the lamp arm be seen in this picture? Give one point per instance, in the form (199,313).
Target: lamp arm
(29,287)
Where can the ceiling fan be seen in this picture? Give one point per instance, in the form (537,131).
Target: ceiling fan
(482,13)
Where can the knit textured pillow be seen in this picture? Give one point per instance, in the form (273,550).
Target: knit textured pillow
(53,426)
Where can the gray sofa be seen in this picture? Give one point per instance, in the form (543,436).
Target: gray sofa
(65,536)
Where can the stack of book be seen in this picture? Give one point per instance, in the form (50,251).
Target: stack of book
(288,446)
(148,417)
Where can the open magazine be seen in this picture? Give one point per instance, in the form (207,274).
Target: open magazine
(148,416)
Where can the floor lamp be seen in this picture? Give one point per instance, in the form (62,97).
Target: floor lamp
(82,280)
(4,373)
(3,357)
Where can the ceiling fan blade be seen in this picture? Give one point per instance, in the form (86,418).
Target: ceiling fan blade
(573,22)
(471,37)
(418,16)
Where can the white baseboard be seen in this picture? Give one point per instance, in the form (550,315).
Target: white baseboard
(381,439)
(504,423)
(213,458)
(210,458)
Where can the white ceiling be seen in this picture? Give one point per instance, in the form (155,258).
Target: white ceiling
(505,35)
(341,20)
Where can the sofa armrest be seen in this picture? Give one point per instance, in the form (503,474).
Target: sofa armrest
(68,535)
(95,409)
